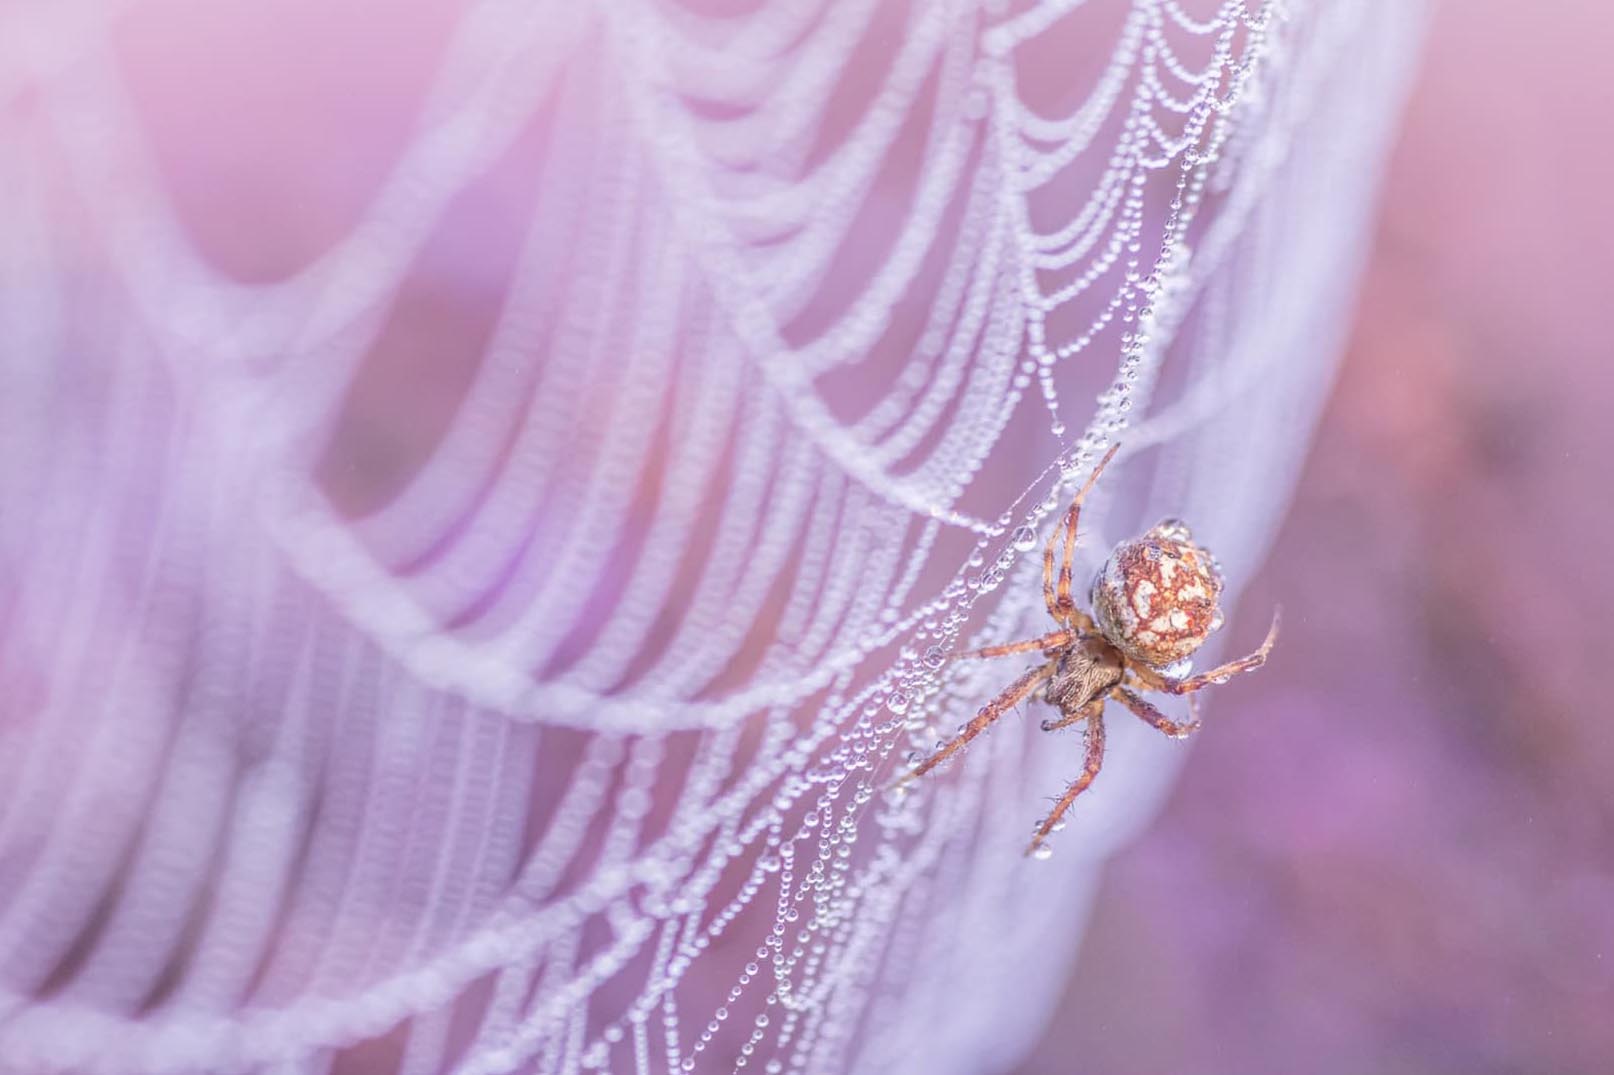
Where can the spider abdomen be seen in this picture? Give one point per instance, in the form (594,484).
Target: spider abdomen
(1156,598)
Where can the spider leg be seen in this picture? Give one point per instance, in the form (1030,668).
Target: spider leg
(1048,596)
(1149,713)
(1095,758)
(1222,673)
(1052,640)
(1065,720)
(1061,607)
(1012,695)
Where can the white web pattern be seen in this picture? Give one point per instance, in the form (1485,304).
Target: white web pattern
(556,747)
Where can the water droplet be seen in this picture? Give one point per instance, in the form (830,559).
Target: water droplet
(934,657)
(897,702)
(1025,538)
(1043,853)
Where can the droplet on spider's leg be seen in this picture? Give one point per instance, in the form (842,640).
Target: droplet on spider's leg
(1042,853)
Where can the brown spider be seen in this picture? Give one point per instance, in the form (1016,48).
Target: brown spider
(1155,602)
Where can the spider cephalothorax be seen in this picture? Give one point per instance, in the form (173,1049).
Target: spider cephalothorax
(1086,669)
(1155,601)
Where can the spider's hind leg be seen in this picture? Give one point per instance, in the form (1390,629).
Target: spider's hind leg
(1060,605)
(1146,710)
(1222,673)
(1052,640)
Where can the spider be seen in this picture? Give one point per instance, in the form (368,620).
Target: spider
(1154,603)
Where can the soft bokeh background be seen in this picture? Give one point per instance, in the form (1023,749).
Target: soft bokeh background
(1393,851)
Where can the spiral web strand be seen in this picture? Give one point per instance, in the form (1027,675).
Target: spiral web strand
(556,747)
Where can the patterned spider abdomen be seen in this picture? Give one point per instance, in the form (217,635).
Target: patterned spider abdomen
(1156,597)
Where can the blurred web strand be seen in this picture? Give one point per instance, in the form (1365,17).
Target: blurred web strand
(563,757)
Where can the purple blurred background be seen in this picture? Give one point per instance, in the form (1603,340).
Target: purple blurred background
(1392,851)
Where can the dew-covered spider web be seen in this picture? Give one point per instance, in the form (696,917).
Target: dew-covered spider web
(481,645)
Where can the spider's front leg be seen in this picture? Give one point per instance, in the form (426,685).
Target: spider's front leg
(1066,719)
(1094,730)
(1015,693)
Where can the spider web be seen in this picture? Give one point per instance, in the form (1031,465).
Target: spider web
(550,735)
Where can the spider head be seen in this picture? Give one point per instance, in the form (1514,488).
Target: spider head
(1086,669)
(1156,597)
